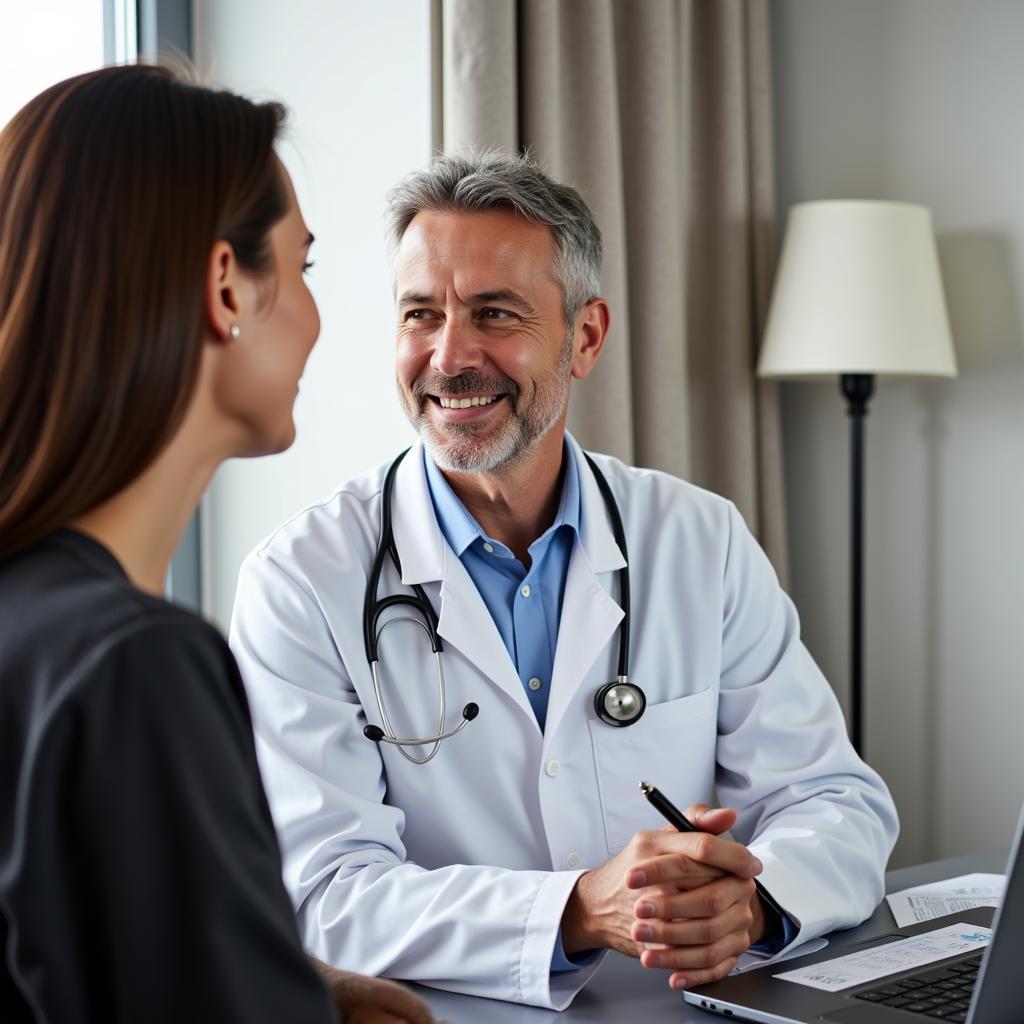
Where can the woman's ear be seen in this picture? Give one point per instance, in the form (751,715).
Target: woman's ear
(222,293)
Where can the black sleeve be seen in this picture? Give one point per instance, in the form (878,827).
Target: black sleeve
(151,878)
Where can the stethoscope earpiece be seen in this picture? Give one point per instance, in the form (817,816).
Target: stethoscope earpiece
(377,735)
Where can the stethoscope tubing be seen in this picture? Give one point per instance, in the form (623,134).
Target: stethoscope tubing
(389,732)
(374,607)
(619,533)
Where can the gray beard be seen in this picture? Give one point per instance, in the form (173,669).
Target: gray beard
(460,451)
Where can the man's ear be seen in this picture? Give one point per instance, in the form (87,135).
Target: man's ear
(592,323)
(222,287)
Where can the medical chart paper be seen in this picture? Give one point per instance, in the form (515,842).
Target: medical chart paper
(937,899)
(891,958)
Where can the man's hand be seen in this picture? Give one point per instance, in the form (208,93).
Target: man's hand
(684,901)
(363,1000)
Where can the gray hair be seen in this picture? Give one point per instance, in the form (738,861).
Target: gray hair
(473,181)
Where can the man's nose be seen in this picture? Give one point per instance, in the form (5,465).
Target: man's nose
(457,348)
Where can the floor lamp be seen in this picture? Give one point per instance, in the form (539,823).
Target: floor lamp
(857,293)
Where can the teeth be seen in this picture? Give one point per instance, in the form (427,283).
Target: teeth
(466,403)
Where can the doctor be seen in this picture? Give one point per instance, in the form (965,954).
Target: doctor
(500,860)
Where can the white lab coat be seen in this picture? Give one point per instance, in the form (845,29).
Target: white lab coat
(456,873)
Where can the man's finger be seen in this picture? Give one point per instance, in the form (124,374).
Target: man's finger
(698,931)
(697,958)
(715,820)
(692,978)
(690,854)
(672,872)
(710,900)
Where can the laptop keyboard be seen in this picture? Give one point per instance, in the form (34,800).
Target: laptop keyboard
(943,993)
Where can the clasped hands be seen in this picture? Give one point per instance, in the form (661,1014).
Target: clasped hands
(683,901)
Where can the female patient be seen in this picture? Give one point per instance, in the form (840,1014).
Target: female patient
(154,321)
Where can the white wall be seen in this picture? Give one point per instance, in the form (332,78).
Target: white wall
(356,79)
(34,57)
(921,100)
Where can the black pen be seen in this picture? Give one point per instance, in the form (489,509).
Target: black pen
(674,816)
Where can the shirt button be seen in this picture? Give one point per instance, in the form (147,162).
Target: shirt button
(526,590)
(552,768)
(534,683)
(572,861)
(489,548)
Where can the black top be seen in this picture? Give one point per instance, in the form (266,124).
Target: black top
(140,878)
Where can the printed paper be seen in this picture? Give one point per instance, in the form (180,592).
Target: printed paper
(890,958)
(937,899)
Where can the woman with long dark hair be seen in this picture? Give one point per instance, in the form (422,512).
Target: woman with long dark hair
(154,321)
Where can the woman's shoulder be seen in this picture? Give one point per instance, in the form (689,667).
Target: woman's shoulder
(78,624)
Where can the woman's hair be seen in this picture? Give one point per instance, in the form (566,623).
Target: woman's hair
(114,187)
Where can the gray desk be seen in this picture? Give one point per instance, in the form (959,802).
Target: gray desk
(624,991)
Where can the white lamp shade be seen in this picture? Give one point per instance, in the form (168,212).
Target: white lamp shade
(858,290)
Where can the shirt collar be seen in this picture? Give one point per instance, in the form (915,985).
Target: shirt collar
(461,529)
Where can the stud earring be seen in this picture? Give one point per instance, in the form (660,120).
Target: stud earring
(235,332)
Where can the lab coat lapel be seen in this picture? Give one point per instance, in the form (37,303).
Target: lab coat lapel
(417,535)
(590,614)
(464,622)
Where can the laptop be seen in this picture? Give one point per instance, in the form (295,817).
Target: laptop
(981,987)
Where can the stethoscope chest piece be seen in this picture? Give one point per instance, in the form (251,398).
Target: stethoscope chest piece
(620,703)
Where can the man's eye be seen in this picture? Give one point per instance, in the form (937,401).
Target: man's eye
(496,314)
(418,314)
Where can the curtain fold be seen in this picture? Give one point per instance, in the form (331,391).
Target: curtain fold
(660,113)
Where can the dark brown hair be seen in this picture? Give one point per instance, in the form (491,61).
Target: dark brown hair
(114,187)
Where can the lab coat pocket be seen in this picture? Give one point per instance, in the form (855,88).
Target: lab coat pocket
(672,746)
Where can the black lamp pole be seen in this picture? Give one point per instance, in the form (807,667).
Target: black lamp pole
(857,389)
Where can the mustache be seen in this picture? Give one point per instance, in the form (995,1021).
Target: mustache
(470,380)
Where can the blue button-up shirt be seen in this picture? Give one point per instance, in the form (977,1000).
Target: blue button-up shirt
(525,604)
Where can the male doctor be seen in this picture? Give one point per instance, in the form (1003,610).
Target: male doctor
(502,865)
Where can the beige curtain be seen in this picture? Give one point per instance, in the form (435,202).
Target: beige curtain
(659,111)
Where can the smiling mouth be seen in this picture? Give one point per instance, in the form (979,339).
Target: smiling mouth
(448,402)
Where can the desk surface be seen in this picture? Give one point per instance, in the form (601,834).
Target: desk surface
(622,990)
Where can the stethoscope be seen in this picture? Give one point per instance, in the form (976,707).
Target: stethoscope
(618,703)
